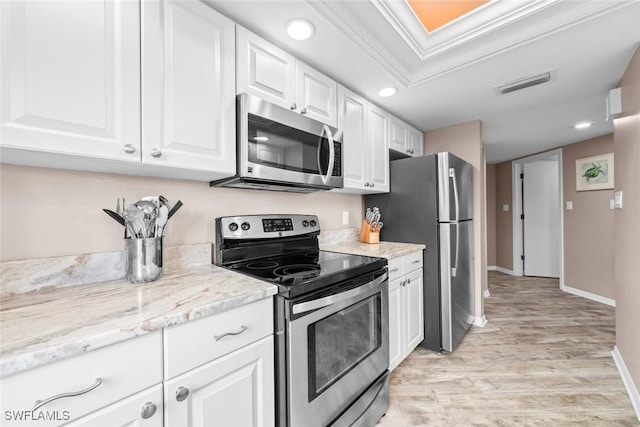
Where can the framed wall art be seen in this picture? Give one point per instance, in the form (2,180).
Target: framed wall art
(594,173)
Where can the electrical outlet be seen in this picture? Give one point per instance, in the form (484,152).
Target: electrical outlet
(505,207)
(345,217)
(569,205)
(617,200)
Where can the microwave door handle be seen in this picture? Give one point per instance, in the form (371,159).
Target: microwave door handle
(327,131)
(315,304)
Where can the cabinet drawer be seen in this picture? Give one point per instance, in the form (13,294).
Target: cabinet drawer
(395,268)
(412,262)
(120,370)
(195,343)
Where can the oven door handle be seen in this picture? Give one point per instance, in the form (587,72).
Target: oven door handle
(304,307)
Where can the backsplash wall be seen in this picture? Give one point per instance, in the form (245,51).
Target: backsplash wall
(53,212)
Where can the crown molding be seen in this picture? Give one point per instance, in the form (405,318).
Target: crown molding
(349,25)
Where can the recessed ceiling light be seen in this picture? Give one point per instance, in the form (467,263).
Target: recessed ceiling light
(387,91)
(582,125)
(300,29)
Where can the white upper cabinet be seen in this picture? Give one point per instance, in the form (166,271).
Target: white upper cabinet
(188,87)
(270,73)
(70,77)
(404,138)
(364,144)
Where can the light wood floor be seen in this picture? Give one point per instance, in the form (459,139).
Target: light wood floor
(543,359)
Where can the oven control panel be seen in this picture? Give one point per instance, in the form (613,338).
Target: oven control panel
(266,226)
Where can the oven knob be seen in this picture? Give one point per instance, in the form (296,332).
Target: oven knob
(233,226)
(245,226)
(305,223)
(313,223)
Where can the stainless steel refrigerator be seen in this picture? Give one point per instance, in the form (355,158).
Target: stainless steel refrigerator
(431,202)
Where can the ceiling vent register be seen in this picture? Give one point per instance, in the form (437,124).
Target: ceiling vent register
(525,83)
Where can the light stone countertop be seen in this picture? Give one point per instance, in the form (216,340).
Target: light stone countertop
(387,250)
(42,323)
(55,323)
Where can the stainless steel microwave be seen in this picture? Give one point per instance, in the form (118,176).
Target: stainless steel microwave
(279,149)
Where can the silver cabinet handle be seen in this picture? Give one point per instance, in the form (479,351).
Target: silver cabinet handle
(293,106)
(148,410)
(129,149)
(303,111)
(366,184)
(40,403)
(182,393)
(394,270)
(416,262)
(242,329)
(408,281)
(156,153)
(403,282)
(373,185)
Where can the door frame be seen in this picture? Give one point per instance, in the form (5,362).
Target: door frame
(517,167)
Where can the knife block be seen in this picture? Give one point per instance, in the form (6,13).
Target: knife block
(367,235)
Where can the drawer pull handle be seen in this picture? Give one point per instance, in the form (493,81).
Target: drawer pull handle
(40,403)
(242,329)
(148,410)
(182,393)
(416,262)
(393,270)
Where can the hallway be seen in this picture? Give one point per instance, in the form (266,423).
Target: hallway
(543,359)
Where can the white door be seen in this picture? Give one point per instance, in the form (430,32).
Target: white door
(398,135)
(541,223)
(352,120)
(70,77)
(265,70)
(378,137)
(236,390)
(316,95)
(188,87)
(143,409)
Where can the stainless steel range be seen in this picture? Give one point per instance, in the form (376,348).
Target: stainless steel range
(331,319)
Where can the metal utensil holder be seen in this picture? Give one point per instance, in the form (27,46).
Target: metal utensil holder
(143,259)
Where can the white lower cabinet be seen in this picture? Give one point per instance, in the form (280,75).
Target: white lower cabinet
(219,371)
(143,409)
(406,316)
(92,389)
(234,390)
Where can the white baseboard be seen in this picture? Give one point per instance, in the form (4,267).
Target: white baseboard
(632,390)
(500,269)
(480,321)
(588,295)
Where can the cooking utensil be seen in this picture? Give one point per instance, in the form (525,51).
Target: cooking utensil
(161,220)
(115,216)
(135,221)
(174,209)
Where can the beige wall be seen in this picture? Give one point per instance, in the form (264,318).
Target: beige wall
(491,215)
(504,219)
(588,228)
(627,221)
(465,141)
(51,212)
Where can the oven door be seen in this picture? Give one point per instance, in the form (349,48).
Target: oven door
(338,345)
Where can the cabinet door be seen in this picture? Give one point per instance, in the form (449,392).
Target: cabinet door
(265,70)
(414,330)
(378,137)
(316,95)
(396,321)
(234,390)
(188,87)
(398,135)
(416,144)
(70,77)
(352,120)
(143,409)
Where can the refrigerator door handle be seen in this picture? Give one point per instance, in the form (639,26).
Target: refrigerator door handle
(452,175)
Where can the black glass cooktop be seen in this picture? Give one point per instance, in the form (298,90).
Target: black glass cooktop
(306,272)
